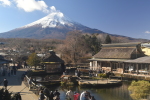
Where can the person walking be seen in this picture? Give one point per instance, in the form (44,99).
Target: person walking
(56,95)
(76,96)
(30,82)
(11,70)
(84,95)
(8,71)
(5,82)
(41,95)
(51,96)
(18,97)
(78,73)
(46,92)
(14,70)
(25,64)
(69,95)
(92,98)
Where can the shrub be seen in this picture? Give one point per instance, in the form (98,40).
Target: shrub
(5,95)
(139,89)
(102,75)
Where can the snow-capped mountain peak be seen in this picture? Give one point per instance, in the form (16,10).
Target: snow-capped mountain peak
(55,26)
(55,18)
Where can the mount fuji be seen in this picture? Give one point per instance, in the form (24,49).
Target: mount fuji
(55,25)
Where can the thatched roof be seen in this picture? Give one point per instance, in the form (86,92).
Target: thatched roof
(131,44)
(114,60)
(52,57)
(145,59)
(124,53)
(120,51)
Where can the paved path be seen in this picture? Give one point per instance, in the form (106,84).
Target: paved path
(16,85)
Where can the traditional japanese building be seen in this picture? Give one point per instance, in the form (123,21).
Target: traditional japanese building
(120,58)
(53,64)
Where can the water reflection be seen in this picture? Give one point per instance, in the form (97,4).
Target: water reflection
(115,93)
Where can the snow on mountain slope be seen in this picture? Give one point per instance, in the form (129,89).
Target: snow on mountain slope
(55,18)
(55,25)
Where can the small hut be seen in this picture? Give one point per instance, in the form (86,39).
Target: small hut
(53,64)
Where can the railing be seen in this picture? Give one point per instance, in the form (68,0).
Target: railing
(33,87)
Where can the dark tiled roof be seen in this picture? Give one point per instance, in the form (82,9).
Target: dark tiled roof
(52,57)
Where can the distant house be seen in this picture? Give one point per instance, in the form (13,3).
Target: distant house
(3,62)
(53,64)
(120,58)
(146,48)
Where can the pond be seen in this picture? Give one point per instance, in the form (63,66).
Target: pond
(113,93)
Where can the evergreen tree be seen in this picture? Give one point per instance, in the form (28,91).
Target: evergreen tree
(107,40)
(33,60)
(93,43)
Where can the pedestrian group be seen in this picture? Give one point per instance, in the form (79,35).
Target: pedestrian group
(70,95)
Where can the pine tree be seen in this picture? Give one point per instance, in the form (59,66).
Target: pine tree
(107,40)
(33,60)
(93,43)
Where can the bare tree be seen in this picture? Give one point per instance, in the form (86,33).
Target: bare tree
(74,47)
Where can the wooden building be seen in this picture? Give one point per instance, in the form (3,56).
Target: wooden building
(140,65)
(53,64)
(121,58)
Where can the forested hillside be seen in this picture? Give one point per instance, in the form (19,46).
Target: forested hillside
(76,48)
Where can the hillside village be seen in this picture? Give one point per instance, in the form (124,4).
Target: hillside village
(88,56)
(19,49)
(93,50)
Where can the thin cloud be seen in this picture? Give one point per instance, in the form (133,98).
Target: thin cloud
(52,9)
(5,2)
(32,5)
(148,32)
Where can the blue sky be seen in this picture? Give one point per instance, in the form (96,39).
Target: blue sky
(123,17)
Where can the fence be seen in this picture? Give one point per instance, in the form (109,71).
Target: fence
(33,87)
